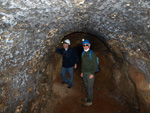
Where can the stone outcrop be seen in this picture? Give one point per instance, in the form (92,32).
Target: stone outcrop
(31,30)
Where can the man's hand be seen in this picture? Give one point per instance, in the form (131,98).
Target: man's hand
(75,66)
(81,74)
(91,76)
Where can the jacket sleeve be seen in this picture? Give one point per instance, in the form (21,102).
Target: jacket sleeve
(60,51)
(75,57)
(94,63)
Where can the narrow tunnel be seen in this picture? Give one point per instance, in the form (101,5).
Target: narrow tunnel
(30,32)
(107,96)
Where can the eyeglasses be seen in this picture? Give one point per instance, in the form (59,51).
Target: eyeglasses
(86,45)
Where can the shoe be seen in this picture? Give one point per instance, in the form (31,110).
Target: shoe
(84,99)
(69,87)
(87,104)
(64,82)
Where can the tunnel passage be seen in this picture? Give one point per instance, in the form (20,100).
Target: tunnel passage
(30,30)
(111,65)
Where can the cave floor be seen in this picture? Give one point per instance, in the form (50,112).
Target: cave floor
(64,100)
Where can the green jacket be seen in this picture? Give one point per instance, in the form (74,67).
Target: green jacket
(88,65)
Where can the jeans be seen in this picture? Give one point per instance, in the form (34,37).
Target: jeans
(89,86)
(63,75)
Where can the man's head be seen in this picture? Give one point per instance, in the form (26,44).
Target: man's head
(86,45)
(66,43)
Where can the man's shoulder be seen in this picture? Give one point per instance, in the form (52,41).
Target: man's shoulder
(72,49)
(93,52)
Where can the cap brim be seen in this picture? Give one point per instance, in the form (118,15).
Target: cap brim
(66,43)
(85,43)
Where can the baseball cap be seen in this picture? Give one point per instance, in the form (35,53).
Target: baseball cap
(86,42)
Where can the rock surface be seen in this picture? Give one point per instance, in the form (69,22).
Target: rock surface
(31,30)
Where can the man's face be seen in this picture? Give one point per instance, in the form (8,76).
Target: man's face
(65,45)
(86,46)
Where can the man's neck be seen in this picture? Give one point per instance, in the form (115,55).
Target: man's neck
(87,50)
(66,48)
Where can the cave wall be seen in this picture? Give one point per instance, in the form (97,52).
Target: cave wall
(32,29)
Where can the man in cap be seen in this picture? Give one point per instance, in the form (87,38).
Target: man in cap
(69,63)
(88,68)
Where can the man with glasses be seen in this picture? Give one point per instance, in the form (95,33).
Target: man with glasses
(70,60)
(88,68)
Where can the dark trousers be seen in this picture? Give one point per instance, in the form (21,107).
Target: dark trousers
(89,86)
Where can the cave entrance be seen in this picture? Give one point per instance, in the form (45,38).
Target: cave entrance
(106,98)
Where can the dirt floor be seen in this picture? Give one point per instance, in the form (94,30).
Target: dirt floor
(66,100)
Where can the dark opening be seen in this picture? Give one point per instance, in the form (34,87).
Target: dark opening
(106,96)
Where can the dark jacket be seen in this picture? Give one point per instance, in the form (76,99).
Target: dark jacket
(70,57)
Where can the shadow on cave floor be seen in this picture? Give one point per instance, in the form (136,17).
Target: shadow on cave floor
(66,100)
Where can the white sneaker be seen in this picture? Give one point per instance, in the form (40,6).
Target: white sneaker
(87,104)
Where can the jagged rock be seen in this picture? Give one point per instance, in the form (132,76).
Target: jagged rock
(31,30)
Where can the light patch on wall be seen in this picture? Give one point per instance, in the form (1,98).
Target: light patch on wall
(5,47)
(138,50)
(114,15)
(4,18)
(127,4)
(79,2)
(57,19)
(52,32)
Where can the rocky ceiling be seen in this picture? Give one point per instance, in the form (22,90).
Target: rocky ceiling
(29,29)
